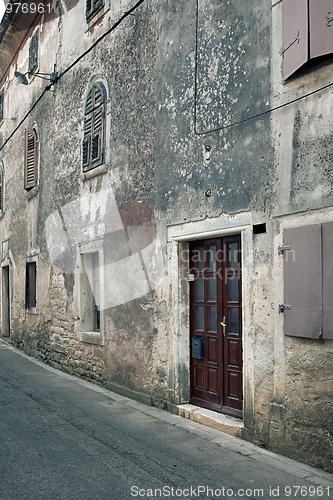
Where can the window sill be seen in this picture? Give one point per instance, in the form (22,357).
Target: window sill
(102,169)
(32,193)
(91,338)
(32,310)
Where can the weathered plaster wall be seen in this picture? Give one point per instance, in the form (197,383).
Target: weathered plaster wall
(193,145)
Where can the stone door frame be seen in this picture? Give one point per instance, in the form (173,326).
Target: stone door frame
(179,237)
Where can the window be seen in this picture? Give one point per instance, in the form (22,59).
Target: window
(30,159)
(94,128)
(307,33)
(1,188)
(33,53)
(308,281)
(31,285)
(1,104)
(90,292)
(92,7)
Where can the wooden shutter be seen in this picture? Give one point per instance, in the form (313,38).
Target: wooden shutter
(93,136)
(321,27)
(30,165)
(33,53)
(295,35)
(303,282)
(92,7)
(86,146)
(327,244)
(97,135)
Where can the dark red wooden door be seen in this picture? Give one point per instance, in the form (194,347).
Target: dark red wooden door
(215,324)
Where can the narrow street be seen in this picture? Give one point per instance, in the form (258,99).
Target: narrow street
(65,438)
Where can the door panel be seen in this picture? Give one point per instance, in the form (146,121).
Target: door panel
(215,299)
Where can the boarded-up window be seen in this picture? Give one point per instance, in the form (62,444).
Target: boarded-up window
(33,53)
(308,281)
(93,135)
(31,285)
(307,32)
(30,161)
(1,103)
(92,7)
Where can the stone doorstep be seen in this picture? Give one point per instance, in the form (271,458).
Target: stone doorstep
(217,421)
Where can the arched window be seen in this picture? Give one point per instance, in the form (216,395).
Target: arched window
(93,147)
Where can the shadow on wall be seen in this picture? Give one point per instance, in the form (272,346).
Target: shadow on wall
(133,262)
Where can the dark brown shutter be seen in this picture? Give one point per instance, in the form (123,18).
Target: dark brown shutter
(30,166)
(33,53)
(303,282)
(295,35)
(327,244)
(321,27)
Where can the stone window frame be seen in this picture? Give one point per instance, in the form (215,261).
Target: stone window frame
(90,336)
(102,167)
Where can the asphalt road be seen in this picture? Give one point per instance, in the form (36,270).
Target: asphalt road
(64,438)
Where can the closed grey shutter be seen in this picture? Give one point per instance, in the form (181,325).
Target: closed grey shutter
(321,27)
(30,163)
(327,244)
(295,35)
(303,282)
(33,53)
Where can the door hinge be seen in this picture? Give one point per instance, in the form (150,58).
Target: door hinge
(283,249)
(284,307)
(190,277)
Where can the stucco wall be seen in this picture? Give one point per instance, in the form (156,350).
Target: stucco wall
(202,138)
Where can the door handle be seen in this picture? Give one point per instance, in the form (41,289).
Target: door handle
(224,324)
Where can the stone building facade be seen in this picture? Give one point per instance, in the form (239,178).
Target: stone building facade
(167,206)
